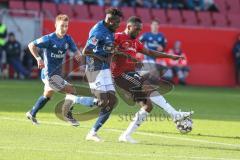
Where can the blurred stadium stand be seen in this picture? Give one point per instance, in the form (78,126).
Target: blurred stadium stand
(175,23)
(228,9)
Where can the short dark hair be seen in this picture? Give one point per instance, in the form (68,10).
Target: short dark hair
(114,12)
(134,19)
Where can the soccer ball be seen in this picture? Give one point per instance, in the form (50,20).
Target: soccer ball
(184,126)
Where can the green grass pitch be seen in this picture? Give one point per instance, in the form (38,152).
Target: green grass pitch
(215,136)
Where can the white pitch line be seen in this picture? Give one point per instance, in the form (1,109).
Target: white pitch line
(138,132)
(116,154)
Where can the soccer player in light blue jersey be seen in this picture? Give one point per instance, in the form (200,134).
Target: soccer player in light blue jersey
(154,40)
(98,50)
(55,46)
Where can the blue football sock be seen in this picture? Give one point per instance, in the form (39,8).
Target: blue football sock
(86,101)
(39,105)
(103,117)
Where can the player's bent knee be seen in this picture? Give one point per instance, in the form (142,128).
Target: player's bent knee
(69,89)
(48,93)
(102,102)
(148,106)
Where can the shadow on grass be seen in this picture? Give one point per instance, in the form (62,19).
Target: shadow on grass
(20,96)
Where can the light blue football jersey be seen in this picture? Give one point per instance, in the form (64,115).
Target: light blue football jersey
(54,51)
(101,41)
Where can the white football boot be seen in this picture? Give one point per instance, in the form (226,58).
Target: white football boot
(127,138)
(93,137)
(32,118)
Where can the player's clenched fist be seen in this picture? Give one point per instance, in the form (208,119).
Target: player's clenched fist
(40,63)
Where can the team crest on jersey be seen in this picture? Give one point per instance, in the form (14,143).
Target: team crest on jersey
(66,46)
(94,41)
(159,39)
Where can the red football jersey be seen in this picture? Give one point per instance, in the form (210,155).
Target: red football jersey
(120,63)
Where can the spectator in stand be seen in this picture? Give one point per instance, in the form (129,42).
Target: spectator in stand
(28,60)
(71,2)
(179,68)
(143,3)
(172,4)
(197,5)
(114,3)
(165,4)
(236,55)
(156,4)
(126,3)
(90,2)
(3,34)
(13,53)
(210,5)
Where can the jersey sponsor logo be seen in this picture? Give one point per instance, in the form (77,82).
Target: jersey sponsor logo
(61,55)
(127,46)
(132,49)
(153,44)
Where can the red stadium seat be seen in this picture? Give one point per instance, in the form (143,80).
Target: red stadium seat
(16,5)
(97,12)
(33,5)
(234,20)
(81,12)
(160,15)
(189,18)
(221,5)
(234,6)
(50,9)
(175,17)
(127,12)
(144,13)
(205,19)
(219,20)
(65,9)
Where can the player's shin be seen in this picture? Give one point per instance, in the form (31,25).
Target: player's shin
(103,117)
(85,101)
(160,101)
(140,116)
(39,105)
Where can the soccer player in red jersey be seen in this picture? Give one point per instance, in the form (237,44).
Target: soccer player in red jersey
(137,86)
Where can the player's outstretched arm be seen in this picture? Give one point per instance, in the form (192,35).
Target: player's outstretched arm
(34,52)
(157,54)
(89,52)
